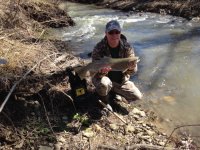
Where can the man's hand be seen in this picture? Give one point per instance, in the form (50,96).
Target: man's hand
(133,65)
(103,72)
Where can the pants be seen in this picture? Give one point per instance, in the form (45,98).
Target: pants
(127,89)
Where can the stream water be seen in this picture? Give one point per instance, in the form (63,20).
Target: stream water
(169,50)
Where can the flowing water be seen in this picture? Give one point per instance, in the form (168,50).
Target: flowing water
(169,50)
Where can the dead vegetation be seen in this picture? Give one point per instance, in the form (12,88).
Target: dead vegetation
(23,25)
(35,66)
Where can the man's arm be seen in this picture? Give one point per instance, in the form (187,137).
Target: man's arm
(97,55)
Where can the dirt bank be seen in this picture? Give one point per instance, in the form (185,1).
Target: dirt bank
(40,113)
(182,8)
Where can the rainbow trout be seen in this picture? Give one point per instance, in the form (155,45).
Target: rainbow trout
(116,64)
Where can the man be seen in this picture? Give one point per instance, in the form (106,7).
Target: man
(114,45)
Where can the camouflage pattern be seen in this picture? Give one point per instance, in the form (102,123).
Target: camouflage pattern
(125,51)
(127,89)
(104,85)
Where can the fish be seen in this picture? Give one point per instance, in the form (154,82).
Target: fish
(3,61)
(116,64)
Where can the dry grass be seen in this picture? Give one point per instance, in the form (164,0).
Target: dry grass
(18,54)
(20,40)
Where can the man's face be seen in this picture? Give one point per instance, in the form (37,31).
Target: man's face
(113,38)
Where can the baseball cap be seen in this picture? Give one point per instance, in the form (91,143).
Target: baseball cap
(113,25)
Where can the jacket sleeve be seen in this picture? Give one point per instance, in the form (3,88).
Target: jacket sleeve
(97,52)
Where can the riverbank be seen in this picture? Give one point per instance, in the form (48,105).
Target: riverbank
(185,9)
(40,113)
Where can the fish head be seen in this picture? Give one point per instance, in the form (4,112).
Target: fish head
(122,64)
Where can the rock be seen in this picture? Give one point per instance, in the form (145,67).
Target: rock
(97,128)
(144,125)
(142,113)
(145,137)
(45,148)
(161,143)
(164,134)
(136,117)
(136,111)
(140,134)
(150,133)
(88,133)
(61,139)
(114,126)
(57,146)
(129,128)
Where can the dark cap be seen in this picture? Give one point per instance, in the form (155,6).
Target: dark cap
(113,25)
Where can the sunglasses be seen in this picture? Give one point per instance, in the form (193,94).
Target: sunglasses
(114,32)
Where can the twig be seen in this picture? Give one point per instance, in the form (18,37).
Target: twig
(90,143)
(137,146)
(194,125)
(69,98)
(6,36)
(113,112)
(61,90)
(41,34)
(45,110)
(107,147)
(65,95)
(147,146)
(10,121)
(14,86)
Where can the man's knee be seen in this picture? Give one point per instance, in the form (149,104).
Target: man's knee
(138,95)
(133,91)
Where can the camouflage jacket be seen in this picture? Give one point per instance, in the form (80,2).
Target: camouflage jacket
(125,50)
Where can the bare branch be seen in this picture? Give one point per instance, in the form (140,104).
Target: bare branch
(192,125)
(14,86)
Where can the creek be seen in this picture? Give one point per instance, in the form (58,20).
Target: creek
(169,51)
